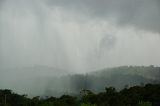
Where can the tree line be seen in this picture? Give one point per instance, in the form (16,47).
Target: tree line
(144,95)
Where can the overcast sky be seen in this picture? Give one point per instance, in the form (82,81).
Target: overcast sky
(79,35)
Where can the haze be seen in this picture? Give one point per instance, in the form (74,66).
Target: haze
(77,36)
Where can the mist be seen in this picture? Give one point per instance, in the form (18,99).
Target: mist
(56,38)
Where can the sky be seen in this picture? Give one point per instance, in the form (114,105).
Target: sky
(79,35)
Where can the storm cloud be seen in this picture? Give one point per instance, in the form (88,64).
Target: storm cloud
(143,14)
(77,35)
(72,33)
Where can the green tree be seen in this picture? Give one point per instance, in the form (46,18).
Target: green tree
(141,103)
(87,104)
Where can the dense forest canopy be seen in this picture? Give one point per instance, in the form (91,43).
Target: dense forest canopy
(146,95)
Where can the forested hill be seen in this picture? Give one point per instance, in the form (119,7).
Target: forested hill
(146,95)
(118,77)
(56,82)
(125,76)
(151,71)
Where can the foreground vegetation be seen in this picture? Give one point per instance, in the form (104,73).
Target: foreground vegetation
(147,95)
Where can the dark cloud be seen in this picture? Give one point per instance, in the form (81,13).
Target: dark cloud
(143,14)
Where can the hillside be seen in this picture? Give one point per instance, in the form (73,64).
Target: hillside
(118,77)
